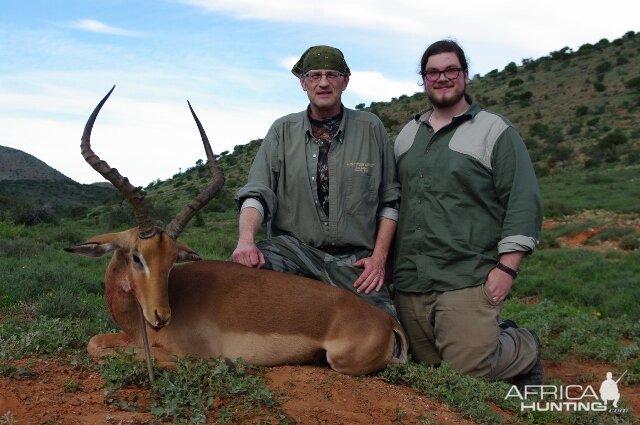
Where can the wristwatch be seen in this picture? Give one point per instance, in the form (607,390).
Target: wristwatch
(508,270)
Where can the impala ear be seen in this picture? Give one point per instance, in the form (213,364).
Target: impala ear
(92,249)
(186,254)
(100,245)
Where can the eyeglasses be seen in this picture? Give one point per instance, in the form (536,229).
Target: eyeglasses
(434,74)
(316,76)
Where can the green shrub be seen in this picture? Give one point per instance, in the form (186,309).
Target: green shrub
(630,242)
(603,67)
(633,83)
(515,82)
(581,111)
(189,392)
(43,335)
(123,370)
(30,214)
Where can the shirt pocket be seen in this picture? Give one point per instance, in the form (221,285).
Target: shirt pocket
(360,192)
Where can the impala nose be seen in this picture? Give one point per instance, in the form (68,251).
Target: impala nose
(162,318)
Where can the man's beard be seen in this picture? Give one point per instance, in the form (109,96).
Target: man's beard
(445,102)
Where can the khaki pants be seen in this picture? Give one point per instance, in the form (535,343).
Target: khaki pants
(287,254)
(461,328)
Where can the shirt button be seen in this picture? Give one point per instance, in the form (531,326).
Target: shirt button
(313,178)
(326,223)
(314,155)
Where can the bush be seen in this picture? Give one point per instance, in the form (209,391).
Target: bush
(613,139)
(603,67)
(30,215)
(582,110)
(515,82)
(630,242)
(511,68)
(633,83)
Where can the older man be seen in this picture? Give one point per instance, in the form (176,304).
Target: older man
(324,180)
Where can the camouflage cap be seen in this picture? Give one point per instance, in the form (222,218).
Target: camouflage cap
(321,57)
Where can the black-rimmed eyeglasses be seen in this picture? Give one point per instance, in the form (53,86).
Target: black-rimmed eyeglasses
(434,74)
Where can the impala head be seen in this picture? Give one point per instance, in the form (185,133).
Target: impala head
(144,255)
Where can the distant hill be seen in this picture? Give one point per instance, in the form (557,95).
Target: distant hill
(18,165)
(32,191)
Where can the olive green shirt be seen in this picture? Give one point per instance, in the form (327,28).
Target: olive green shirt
(363,179)
(469,193)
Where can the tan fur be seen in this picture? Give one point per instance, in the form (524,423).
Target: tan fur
(219,308)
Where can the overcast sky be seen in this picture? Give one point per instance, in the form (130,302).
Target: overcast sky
(232,60)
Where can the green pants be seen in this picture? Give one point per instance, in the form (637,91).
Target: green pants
(461,328)
(288,254)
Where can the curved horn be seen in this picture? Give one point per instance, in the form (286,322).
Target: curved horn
(132,194)
(180,221)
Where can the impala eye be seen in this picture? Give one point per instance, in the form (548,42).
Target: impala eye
(136,259)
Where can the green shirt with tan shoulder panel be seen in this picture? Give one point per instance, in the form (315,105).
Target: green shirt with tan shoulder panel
(469,193)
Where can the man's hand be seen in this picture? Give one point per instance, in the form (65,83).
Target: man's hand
(372,278)
(499,285)
(248,254)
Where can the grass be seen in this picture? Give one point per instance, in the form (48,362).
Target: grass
(608,283)
(609,189)
(196,390)
(477,399)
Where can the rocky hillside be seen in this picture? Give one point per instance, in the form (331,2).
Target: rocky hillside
(32,192)
(18,165)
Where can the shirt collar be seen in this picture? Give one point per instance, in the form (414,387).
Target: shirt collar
(343,124)
(471,112)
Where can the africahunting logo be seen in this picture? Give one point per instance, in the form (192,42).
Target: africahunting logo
(570,398)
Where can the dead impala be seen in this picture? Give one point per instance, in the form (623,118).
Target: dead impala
(219,308)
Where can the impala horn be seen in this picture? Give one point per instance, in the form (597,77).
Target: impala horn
(146,228)
(176,226)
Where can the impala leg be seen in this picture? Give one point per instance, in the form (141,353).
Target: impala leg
(103,345)
(108,345)
(370,352)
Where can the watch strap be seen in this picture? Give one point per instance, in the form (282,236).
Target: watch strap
(508,270)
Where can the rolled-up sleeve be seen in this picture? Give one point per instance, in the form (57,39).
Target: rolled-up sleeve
(389,195)
(518,191)
(263,176)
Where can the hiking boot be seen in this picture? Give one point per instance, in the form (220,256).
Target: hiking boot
(508,323)
(535,376)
